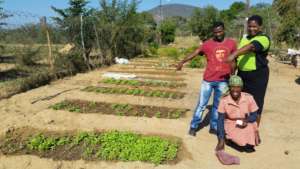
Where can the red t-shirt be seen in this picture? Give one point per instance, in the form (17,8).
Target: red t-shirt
(216,53)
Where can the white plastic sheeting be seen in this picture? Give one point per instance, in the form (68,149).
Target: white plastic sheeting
(119,75)
(293,52)
(121,61)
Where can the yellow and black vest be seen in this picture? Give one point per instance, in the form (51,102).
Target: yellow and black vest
(254,60)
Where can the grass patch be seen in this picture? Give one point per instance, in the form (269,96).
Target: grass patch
(110,146)
(80,106)
(135,92)
(151,83)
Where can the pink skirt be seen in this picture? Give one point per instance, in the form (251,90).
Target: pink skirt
(241,136)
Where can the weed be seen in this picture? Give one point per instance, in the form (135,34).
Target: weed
(88,151)
(79,138)
(75,108)
(119,113)
(176,114)
(92,104)
(59,106)
(41,143)
(157,94)
(158,114)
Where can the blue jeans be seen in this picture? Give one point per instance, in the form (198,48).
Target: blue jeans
(205,93)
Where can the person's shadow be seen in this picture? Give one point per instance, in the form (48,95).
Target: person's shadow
(234,146)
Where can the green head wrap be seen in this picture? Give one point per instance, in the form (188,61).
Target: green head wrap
(235,81)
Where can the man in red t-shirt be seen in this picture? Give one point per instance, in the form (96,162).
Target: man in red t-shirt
(216,74)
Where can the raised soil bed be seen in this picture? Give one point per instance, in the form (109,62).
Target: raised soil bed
(98,145)
(135,92)
(119,109)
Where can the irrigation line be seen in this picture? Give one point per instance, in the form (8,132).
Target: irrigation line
(52,96)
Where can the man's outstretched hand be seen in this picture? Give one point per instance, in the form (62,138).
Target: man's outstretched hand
(179,66)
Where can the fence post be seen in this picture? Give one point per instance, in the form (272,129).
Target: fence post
(45,27)
(82,43)
(98,44)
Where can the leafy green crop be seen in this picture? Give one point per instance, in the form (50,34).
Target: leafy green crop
(42,143)
(137,92)
(142,83)
(114,145)
(132,147)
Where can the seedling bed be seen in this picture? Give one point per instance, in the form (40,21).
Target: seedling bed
(105,145)
(130,67)
(147,77)
(135,92)
(119,109)
(166,73)
(150,83)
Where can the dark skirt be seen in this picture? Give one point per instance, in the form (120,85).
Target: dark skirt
(255,83)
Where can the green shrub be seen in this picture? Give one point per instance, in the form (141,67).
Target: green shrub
(167,30)
(71,63)
(189,50)
(169,52)
(27,55)
(198,62)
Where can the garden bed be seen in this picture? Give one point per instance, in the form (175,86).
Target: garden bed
(147,77)
(105,145)
(152,64)
(135,92)
(150,83)
(166,73)
(119,109)
(130,67)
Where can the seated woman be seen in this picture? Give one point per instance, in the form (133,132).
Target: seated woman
(237,118)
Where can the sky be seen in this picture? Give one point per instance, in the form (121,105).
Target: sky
(31,10)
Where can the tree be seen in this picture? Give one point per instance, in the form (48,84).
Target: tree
(233,12)
(3,15)
(182,25)
(269,15)
(202,21)
(122,31)
(77,23)
(288,31)
(167,29)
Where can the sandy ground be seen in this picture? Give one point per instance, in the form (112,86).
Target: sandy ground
(279,130)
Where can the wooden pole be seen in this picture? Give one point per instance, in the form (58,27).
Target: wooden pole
(246,19)
(45,27)
(98,44)
(159,22)
(82,43)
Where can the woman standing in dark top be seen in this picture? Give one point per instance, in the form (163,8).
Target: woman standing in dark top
(252,63)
